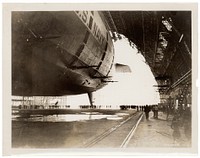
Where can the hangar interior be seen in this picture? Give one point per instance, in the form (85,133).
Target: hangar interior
(164,39)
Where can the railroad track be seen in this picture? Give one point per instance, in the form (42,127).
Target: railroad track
(110,131)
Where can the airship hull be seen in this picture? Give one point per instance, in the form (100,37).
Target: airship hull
(59,53)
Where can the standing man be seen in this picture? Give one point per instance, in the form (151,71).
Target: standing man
(176,129)
(156,111)
(147,110)
(167,111)
(153,109)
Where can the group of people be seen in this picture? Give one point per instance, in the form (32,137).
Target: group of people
(178,120)
(175,122)
(153,108)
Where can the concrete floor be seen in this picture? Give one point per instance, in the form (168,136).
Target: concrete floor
(149,133)
(27,134)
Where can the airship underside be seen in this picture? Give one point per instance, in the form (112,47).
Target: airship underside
(59,53)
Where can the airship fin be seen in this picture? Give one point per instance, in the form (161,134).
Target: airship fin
(122,68)
(90,96)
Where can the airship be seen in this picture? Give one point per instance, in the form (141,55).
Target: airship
(60,53)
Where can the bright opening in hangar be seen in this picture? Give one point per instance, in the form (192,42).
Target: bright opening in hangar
(130,88)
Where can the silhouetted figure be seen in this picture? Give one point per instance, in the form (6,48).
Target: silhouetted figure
(187,123)
(156,111)
(175,126)
(143,108)
(153,109)
(147,110)
(167,112)
(164,109)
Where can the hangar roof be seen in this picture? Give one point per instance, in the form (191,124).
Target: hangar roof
(163,37)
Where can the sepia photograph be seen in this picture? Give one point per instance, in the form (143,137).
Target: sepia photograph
(100,78)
